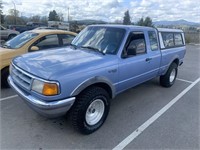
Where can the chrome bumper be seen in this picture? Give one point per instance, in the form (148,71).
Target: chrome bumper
(49,109)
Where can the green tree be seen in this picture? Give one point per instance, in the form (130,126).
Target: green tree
(1,12)
(53,16)
(13,12)
(140,22)
(12,20)
(145,22)
(127,18)
(15,15)
(35,18)
(44,19)
(61,17)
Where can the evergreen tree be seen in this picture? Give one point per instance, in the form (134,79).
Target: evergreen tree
(53,16)
(140,22)
(1,12)
(145,22)
(127,18)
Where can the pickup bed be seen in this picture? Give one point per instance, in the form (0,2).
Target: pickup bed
(102,61)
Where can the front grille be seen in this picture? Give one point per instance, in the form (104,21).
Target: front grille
(20,77)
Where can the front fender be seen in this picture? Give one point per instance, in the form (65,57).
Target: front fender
(92,81)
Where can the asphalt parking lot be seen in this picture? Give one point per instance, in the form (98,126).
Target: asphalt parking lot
(145,117)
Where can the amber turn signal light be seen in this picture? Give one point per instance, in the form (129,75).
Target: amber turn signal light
(50,89)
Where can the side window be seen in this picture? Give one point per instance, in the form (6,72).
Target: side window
(66,39)
(49,41)
(153,40)
(168,39)
(178,39)
(136,44)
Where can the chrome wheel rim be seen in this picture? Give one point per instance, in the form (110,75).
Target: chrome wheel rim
(172,75)
(95,112)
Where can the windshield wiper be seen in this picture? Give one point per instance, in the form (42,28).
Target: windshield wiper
(73,45)
(93,48)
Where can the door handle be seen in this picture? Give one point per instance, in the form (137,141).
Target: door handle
(148,59)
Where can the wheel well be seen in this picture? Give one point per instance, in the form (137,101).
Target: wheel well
(7,67)
(176,61)
(104,86)
(12,34)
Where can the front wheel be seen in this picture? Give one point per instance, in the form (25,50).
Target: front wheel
(90,110)
(11,36)
(169,78)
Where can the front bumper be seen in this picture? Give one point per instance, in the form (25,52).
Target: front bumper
(49,109)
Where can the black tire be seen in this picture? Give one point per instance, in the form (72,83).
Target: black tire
(4,77)
(165,80)
(11,36)
(81,106)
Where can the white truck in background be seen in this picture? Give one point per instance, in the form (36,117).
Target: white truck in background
(59,25)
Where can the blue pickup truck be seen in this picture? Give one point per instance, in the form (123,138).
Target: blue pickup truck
(101,62)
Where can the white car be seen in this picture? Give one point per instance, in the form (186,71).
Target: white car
(7,34)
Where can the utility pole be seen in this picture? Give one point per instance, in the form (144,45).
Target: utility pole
(15,13)
(68,14)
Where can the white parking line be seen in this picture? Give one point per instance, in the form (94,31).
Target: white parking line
(145,125)
(13,96)
(184,80)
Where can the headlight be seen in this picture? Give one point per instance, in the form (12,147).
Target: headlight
(45,88)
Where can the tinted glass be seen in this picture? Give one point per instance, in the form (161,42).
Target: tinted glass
(136,43)
(49,41)
(67,39)
(106,39)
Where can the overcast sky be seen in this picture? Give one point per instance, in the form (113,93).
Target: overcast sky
(110,10)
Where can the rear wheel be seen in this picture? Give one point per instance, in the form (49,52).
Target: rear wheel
(90,110)
(169,78)
(4,77)
(11,36)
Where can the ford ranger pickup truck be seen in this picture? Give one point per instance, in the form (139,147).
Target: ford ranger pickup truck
(101,62)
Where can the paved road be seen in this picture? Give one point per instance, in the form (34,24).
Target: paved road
(152,116)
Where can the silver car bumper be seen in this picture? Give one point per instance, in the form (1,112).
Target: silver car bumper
(49,109)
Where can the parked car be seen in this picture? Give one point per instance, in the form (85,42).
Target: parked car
(43,28)
(27,27)
(7,34)
(20,28)
(30,41)
(103,61)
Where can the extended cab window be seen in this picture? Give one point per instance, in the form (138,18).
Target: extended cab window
(49,41)
(135,45)
(153,40)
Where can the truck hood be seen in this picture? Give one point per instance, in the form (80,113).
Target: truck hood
(53,63)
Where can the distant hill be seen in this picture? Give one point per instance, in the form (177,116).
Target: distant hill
(178,22)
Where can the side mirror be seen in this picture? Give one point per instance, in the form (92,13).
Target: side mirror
(131,50)
(34,48)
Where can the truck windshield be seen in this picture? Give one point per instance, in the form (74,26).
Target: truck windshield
(20,40)
(105,39)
